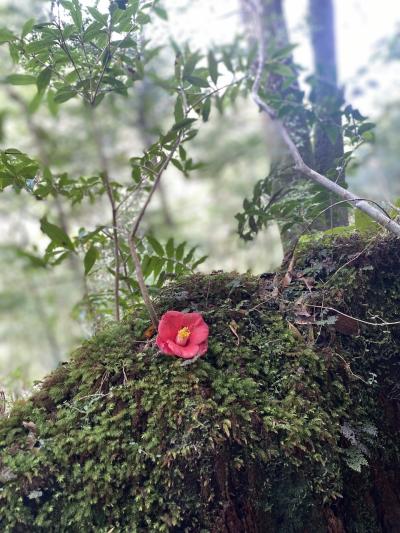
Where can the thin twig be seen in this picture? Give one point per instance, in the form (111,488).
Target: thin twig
(158,176)
(105,176)
(64,46)
(299,164)
(218,89)
(142,285)
(367,322)
(135,227)
(348,368)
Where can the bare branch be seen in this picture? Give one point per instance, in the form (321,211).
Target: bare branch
(367,322)
(157,179)
(135,227)
(142,285)
(105,176)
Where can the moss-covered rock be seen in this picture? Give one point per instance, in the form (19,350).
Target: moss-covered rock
(289,424)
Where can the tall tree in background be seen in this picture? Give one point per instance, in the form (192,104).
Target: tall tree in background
(316,132)
(276,38)
(327,99)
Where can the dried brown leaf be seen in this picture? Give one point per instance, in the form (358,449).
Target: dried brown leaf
(295,332)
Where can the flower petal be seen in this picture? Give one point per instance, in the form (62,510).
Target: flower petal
(186,352)
(191,320)
(163,345)
(169,324)
(203,347)
(199,333)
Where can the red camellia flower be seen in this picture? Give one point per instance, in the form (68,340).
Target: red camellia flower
(182,334)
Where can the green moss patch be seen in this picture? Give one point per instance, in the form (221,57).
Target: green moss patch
(285,425)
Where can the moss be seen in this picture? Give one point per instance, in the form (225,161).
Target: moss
(257,436)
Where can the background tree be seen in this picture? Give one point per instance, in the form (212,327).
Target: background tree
(327,99)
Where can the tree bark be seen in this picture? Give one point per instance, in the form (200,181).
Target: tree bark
(327,99)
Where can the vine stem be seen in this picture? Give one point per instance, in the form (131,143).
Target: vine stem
(299,164)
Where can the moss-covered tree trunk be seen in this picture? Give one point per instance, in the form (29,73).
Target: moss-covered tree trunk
(290,423)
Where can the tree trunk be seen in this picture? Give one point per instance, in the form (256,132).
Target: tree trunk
(276,37)
(327,99)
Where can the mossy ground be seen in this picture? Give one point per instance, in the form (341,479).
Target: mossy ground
(257,436)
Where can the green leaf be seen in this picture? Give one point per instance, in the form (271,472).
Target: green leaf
(34,104)
(14,52)
(155,245)
(182,153)
(76,14)
(99,17)
(368,136)
(184,124)
(284,52)
(64,94)
(133,6)
(44,78)
(34,260)
(161,12)
(5,181)
(212,67)
(205,112)
(143,18)
(158,263)
(227,61)
(6,35)
(136,174)
(27,27)
(177,164)
(178,111)
(170,266)
(199,261)
(170,248)
(366,126)
(180,250)
(91,257)
(52,105)
(282,70)
(147,266)
(190,64)
(40,46)
(21,79)
(190,255)
(198,82)
(56,234)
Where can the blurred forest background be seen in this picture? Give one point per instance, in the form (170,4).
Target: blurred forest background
(41,314)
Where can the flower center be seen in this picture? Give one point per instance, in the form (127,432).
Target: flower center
(182,337)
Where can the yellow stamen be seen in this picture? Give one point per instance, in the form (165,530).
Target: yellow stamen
(183,336)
